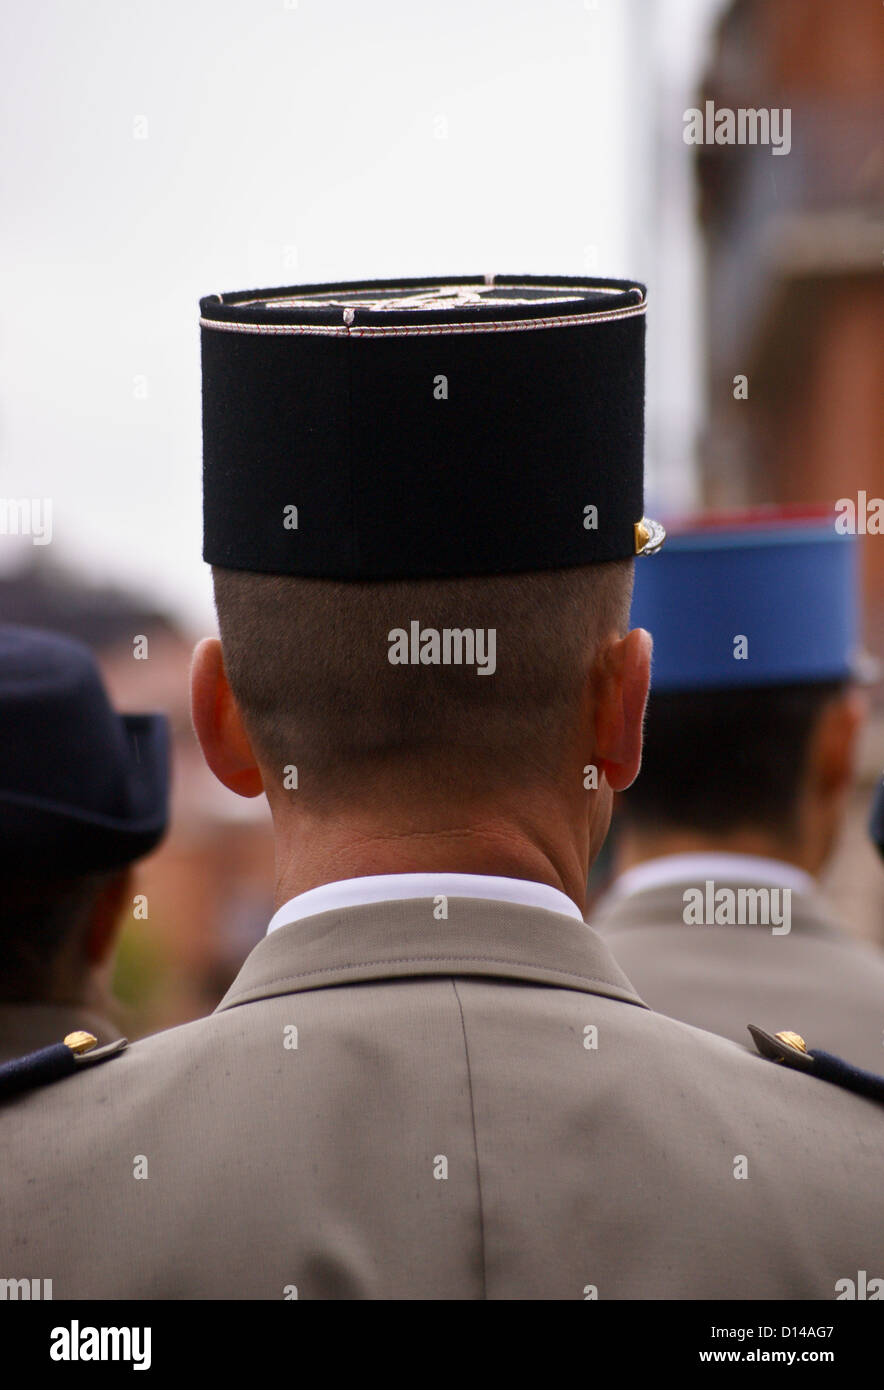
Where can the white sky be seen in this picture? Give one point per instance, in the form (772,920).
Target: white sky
(293,143)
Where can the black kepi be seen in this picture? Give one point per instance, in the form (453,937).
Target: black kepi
(424,428)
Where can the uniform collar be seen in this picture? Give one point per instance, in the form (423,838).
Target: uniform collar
(655,898)
(406,937)
(379,888)
(719,866)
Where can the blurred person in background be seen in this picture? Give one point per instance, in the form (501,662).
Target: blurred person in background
(792,305)
(205,891)
(750,745)
(83,797)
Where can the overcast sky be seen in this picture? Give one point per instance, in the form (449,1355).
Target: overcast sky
(153,152)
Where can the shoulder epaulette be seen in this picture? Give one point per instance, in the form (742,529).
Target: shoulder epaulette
(791,1050)
(51,1063)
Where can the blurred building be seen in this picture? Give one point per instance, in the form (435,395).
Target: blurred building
(795,292)
(795,302)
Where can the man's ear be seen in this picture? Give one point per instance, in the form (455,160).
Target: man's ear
(621,679)
(218,722)
(834,743)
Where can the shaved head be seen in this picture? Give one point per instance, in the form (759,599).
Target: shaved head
(309,664)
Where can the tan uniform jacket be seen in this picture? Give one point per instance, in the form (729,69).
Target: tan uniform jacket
(477,1107)
(814,981)
(28,1027)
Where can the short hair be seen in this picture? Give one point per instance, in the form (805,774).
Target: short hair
(725,760)
(39,919)
(308,663)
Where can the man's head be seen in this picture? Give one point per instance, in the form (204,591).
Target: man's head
(307,683)
(395,472)
(765,770)
(83,795)
(753,715)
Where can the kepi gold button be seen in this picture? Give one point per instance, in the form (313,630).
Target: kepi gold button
(649,536)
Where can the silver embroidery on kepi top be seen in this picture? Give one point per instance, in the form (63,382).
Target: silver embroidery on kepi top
(438,297)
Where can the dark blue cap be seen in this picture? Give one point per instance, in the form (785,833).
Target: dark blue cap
(82,788)
(787,586)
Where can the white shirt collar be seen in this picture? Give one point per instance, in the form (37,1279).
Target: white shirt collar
(380,888)
(720,866)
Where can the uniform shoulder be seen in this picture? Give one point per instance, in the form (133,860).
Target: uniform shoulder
(79,1053)
(755,1071)
(74,1053)
(789,1049)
